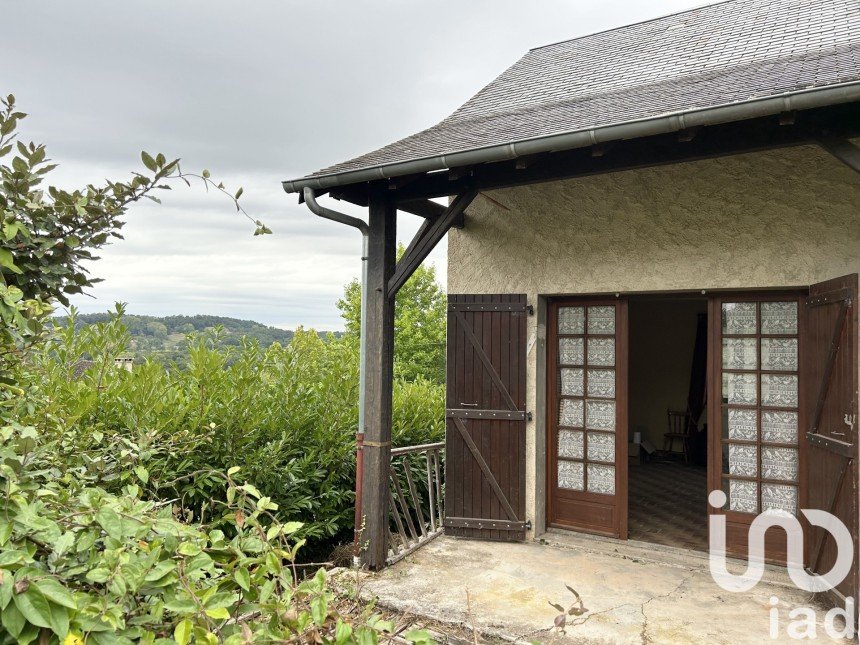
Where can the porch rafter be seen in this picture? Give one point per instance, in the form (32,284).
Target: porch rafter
(426,239)
(844,150)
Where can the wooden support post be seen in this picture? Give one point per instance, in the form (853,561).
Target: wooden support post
(379,361)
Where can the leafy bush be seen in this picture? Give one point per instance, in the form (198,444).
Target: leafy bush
(80,564)
(287,414)
(126,519)
(47,234)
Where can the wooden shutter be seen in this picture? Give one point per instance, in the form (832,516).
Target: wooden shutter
(587,416)
(830,383)
(485,442)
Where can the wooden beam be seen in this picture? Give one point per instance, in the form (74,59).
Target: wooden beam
(688,134)
(600,149)
(788,118)
(524,162)
(426,225)
(842,149)
(379,377)
(399,182)
(423,208)
(458,173)
(426,239)
(752,135)
(353,194)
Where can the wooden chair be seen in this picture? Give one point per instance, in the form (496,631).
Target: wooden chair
(680,424)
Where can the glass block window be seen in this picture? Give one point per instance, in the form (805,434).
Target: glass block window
(601,479)
(601,320)
(760,382)
(571,351)
(571,475)
(587,386)
(571,320)
(571,444)
(572,381)
(779,497)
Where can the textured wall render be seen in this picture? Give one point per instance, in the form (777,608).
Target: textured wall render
(781,218)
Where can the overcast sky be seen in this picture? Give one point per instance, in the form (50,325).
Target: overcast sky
(256,92)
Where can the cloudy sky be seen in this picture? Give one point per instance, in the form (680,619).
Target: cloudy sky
(256,92)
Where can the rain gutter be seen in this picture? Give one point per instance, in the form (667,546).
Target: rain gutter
(798,100)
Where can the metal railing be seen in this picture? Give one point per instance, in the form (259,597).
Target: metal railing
(416,498)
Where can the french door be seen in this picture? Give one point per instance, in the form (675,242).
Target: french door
(755,417)
(782,414)
(587,416)
(784,385)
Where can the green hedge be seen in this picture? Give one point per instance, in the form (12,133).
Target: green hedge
(286,414)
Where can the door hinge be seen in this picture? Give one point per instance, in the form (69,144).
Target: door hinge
(530,309)
(528,525)
(528,416)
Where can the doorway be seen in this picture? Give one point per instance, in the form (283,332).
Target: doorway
(667,466)
(765,385)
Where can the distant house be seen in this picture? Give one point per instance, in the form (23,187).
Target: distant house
(661,218)
(122,362)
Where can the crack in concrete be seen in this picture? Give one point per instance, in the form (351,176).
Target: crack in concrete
(643,633)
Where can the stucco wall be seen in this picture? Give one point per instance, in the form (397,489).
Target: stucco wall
(781,218)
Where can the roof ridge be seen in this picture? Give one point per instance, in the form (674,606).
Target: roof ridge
(704,5)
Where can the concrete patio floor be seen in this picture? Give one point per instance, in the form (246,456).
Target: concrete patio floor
(633,592)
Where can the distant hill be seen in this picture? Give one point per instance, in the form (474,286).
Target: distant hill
(164,337)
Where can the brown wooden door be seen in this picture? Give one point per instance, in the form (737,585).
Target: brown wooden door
(756,419)
(587,416)
(830,383)
(485,437)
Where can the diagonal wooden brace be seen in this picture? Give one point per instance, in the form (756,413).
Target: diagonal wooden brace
(426,239)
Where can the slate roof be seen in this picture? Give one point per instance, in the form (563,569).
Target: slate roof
(720,54)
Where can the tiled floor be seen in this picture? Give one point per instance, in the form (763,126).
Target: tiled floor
(668,504)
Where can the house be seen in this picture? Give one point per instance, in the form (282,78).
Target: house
(651,225)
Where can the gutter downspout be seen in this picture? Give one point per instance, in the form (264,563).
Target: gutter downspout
(343,218)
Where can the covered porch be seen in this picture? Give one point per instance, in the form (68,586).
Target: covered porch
(769,124)
(690,167)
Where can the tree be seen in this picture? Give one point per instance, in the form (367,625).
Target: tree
(156,329)
(419,323)
(47,234)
